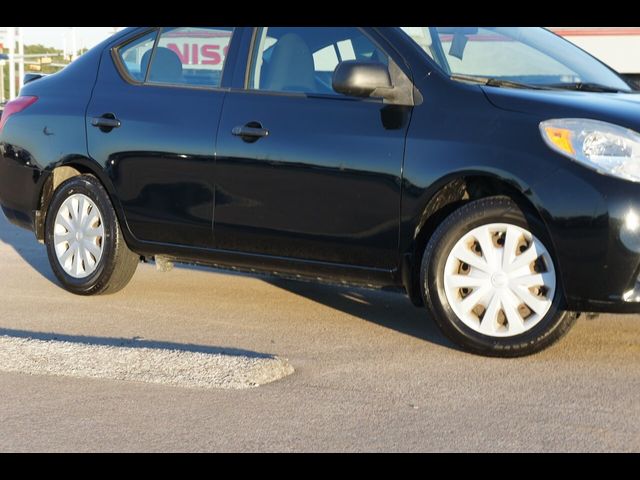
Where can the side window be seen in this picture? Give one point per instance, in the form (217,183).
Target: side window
(191,56)
(303,59)
(132,54)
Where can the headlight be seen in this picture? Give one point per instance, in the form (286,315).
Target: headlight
(602,146)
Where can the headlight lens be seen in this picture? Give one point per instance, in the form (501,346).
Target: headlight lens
(604,147)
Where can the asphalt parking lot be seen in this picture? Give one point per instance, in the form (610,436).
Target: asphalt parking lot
(371,371)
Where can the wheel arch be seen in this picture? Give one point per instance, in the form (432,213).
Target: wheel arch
(448,194)
(63,170)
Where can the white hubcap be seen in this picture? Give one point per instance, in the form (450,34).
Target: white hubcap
(499,280)
(78,236)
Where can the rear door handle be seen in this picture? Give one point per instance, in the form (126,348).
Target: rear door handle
(106,122)
(250,132)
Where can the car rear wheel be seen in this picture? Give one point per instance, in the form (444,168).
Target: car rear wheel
(86,249)
(490,281)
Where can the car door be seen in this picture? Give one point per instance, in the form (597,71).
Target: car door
(152,122)
(302,171)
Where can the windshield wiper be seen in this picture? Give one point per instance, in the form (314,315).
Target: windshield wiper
(580,86)
(495,82)
(588,87)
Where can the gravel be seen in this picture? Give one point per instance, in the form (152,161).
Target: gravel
(187,369)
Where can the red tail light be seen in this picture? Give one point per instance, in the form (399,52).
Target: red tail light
(15,106)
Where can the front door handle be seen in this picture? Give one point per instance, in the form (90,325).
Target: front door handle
(106,122)
(250,132)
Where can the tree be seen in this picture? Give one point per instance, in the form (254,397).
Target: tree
(32,50)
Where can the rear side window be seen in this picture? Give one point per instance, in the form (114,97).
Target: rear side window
(190,56)
(131,55)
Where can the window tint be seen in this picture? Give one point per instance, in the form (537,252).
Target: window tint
(303,59)
(529,55)
(491,53)
(132,53)
(184,56)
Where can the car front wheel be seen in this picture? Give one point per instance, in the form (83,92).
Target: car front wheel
(490,281)
(86,249)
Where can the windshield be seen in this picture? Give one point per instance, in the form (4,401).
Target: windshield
(523,55)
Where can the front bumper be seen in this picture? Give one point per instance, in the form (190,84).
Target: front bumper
(594,225)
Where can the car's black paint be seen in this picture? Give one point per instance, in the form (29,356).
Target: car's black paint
(341,189)
(161,160)
(341,160)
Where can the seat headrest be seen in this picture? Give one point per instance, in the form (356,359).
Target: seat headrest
(291,66)
(166,66)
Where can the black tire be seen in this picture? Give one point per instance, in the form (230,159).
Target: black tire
(498,209)
(117,263)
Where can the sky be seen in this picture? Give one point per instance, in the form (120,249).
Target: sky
(55,36)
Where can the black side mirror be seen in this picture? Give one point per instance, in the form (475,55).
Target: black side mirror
(362,79)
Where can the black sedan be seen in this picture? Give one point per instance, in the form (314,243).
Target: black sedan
(490,173)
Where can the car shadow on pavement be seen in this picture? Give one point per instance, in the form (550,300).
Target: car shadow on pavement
(388,309)
(385,308)
(135,342)
(26,245)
